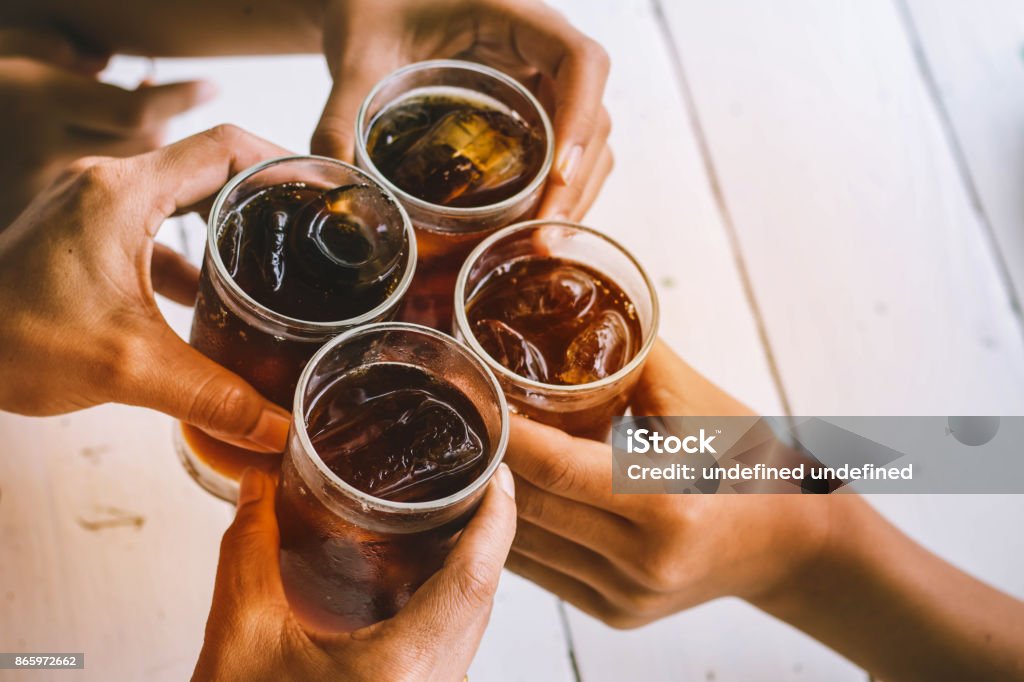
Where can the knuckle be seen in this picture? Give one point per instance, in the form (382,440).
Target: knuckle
(594,54)
(604,122)
(560,474)
(239,534)
(81,165)
(226,134)
(123,357)
(659,570)
(529,503)
(474,581)
(220,405)
(622,620)
(329,138)
(100,176)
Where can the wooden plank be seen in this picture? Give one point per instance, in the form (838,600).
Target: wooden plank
(659,202)
(879,291)
(108,546)
(970,54)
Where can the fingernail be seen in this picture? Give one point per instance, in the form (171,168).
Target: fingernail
(251,487)
(505,480)
(271,431)
(567,166)
(205,92)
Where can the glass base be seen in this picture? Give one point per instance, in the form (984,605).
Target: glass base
(211,480)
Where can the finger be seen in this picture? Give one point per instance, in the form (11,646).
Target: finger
(670,386)
(582,596)
(335,132)
(451,609)
(49,45)
(101,107)
(173,276)
(188,172)
(595,181)
(573,201)
(575,561)
(174,378)
(560,464)
(81,142)
(248,573)
(579,67)
(582,523)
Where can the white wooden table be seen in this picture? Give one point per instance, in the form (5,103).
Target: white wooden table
(828,195)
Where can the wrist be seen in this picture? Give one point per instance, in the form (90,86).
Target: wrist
(828,545)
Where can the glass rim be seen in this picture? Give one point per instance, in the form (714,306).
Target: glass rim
(379,503)
(271,315)
(457,211)
(462,321)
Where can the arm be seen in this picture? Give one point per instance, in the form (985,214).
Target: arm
(885,602)
(176,28)
(827,564)
(363,41)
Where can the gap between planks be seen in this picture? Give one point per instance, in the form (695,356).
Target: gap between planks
(711,172)
(956,149)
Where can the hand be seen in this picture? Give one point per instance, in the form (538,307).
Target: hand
(632,559)
(56,111)
(365,40)
(78,270)
(252,634)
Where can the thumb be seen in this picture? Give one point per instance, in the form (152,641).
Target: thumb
(248,573)
(178,380)
(670,386)
(450,611)
(335,133)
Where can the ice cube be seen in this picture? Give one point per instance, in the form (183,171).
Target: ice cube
(427,440)
(602,348)
(353,233)
(467,150)
(272,262)
(229,243)
(566,293)
(396,130)
(512,350)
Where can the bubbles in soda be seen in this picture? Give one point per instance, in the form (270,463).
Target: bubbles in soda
(554,321)
(398,433)
(315,254)
(455,147)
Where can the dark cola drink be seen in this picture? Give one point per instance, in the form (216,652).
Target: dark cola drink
(554,321)
(468,150)
(396,433)
(566,339)
(455,148)
(315,254)
(294,261)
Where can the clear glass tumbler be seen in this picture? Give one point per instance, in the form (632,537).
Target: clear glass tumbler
(446,234)
(348,558)
(584,409)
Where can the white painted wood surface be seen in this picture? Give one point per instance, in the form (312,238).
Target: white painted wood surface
(973,55)
(815,193)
